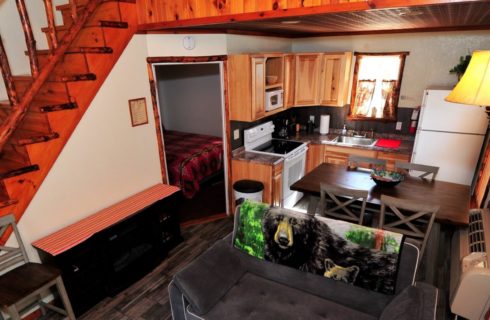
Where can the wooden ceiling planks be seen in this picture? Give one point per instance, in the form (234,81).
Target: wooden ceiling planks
(315,17)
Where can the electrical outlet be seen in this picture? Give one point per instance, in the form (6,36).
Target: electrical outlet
(398,126)
(236,134)
(312,118)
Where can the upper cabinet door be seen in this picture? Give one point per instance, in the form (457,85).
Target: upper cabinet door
(307,76)
(258,87)
(335,78)
(289,77)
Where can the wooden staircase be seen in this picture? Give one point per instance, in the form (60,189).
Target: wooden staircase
(53,109)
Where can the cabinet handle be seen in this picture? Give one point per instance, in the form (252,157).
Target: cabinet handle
(75,268)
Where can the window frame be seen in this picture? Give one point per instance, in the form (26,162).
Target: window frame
(396,90)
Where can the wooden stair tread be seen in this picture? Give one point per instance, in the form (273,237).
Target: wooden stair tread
(5,201)
(10,168)
(45,106)
(86,50)
(101,24)
(65,78)
(25,137)
(81,6)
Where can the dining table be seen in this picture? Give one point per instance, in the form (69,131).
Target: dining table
(453,199)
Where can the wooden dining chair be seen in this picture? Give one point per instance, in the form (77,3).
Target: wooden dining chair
(343,203)
(424,169)
(27,281)
(366,162)
(411,218)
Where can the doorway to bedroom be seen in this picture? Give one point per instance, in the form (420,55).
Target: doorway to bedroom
(191,106)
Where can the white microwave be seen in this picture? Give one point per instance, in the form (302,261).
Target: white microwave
(273,99)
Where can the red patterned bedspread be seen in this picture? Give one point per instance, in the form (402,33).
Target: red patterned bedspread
(191,158)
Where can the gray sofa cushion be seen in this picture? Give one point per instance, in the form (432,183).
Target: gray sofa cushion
(204,281)
(414,302)
(254,297)
(368,302)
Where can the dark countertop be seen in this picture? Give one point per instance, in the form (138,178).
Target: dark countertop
(242,155)
(406,146)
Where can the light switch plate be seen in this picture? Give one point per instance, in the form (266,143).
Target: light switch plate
(236,134)
(398,126)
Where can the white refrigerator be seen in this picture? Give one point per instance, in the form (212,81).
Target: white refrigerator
(449,136)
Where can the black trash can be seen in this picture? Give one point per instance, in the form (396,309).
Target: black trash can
(248,189)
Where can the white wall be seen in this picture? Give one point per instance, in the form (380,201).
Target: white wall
(164,45)
(431,57)
(105,160)
(248,44)
(190,98)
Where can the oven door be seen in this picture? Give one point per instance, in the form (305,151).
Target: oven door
(293,170)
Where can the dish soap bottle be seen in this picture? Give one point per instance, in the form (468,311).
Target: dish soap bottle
(344,130)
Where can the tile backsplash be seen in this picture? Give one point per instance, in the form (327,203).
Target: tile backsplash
(338,117)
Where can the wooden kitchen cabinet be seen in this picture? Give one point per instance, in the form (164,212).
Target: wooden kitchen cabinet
(247,84)
(314,156)
(258,87)
(307,79)
(391,158)
(322,79)
(269,174)
(335,78)
(289,79)
(340,155)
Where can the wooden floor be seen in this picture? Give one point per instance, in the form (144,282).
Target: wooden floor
(147,299)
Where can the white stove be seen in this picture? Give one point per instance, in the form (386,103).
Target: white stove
(259,140)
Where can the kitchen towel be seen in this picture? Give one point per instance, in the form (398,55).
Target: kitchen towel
(388,143)
(324,123)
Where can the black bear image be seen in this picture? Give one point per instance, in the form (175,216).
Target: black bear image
(288,239)
(305,242)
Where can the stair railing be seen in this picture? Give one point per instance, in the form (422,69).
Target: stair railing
(7,76)
(19,109)
(53,40)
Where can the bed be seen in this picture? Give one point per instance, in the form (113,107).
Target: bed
(191,159)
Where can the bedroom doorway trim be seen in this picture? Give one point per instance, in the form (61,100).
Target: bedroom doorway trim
(221,60)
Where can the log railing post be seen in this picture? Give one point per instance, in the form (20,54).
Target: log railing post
(74,12)
(48,5)
(7,75)
(31,42)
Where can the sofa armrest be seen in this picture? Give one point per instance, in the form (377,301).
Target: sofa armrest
(204,281)
(414,302)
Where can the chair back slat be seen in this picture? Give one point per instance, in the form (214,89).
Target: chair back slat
(10,256)
(366,162)
(339,202)
(413,219)
(424,170)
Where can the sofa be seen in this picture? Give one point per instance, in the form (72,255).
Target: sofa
(227,283)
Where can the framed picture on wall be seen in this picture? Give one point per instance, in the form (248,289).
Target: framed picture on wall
(137,110)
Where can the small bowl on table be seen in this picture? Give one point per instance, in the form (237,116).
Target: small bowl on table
(386,178)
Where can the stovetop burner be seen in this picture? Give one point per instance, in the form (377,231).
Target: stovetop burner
(278,146)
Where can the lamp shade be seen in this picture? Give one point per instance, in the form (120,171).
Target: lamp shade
(474,86)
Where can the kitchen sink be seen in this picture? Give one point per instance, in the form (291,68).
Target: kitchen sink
(357,141)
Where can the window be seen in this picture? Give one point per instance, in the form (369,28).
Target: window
(376,86)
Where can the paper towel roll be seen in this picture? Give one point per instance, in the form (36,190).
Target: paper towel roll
(324,124)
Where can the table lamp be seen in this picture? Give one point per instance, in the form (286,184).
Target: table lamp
(474,86)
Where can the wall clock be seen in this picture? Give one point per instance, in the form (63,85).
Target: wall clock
(189,42)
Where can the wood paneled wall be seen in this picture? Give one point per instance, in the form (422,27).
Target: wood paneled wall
(152,11)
